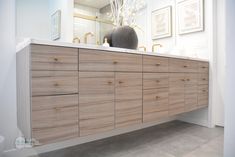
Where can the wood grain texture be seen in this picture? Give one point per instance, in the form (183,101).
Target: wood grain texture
(96,102)
(54,82)
(54,118)
(203,79)
(155,80)
(191,92)
(203,96)
(181,65)
(53,58)
(57,134)
(176,93)
(23,78)
(94,60)
(203,67)
(115,90)
(128,99)
(192,66)
(155,64)
(155,104)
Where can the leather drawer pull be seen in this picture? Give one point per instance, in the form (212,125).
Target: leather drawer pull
(158,64)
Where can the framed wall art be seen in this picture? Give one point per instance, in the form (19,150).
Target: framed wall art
(162,23)
(190,16)
(56,25)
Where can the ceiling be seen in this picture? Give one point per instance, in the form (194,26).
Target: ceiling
(93,3)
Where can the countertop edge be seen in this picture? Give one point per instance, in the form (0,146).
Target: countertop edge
(28,41)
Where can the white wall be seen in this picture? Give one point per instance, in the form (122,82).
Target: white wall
(229,143)
(66,7)
(8,124)
(33,19)
(141,29)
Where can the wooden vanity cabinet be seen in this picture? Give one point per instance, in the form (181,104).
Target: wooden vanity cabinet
(66,93)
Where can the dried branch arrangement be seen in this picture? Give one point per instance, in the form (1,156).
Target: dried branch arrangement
(124,12)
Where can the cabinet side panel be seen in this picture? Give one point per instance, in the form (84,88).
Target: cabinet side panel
(23,92)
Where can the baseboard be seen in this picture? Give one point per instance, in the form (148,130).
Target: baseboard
(60,145)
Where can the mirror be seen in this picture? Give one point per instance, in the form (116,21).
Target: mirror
(92,17)
(95,17)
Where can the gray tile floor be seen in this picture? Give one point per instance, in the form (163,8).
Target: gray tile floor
(173,139)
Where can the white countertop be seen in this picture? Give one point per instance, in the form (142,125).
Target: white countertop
(27,42)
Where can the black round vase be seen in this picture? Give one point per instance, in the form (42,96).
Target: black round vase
(123,37)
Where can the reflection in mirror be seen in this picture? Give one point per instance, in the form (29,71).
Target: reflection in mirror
(92,17)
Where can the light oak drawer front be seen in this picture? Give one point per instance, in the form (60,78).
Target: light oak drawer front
(94,60)
(203,67)
(54,58)
(128,86)
(128,99)
(191,96)
(180,65)
(155,64)
(96,102)
(203,79)
(190,91)
(155,104)
(54,118)
(203,96)
(155,80)
(176,93)
(54,83)
(191,78)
